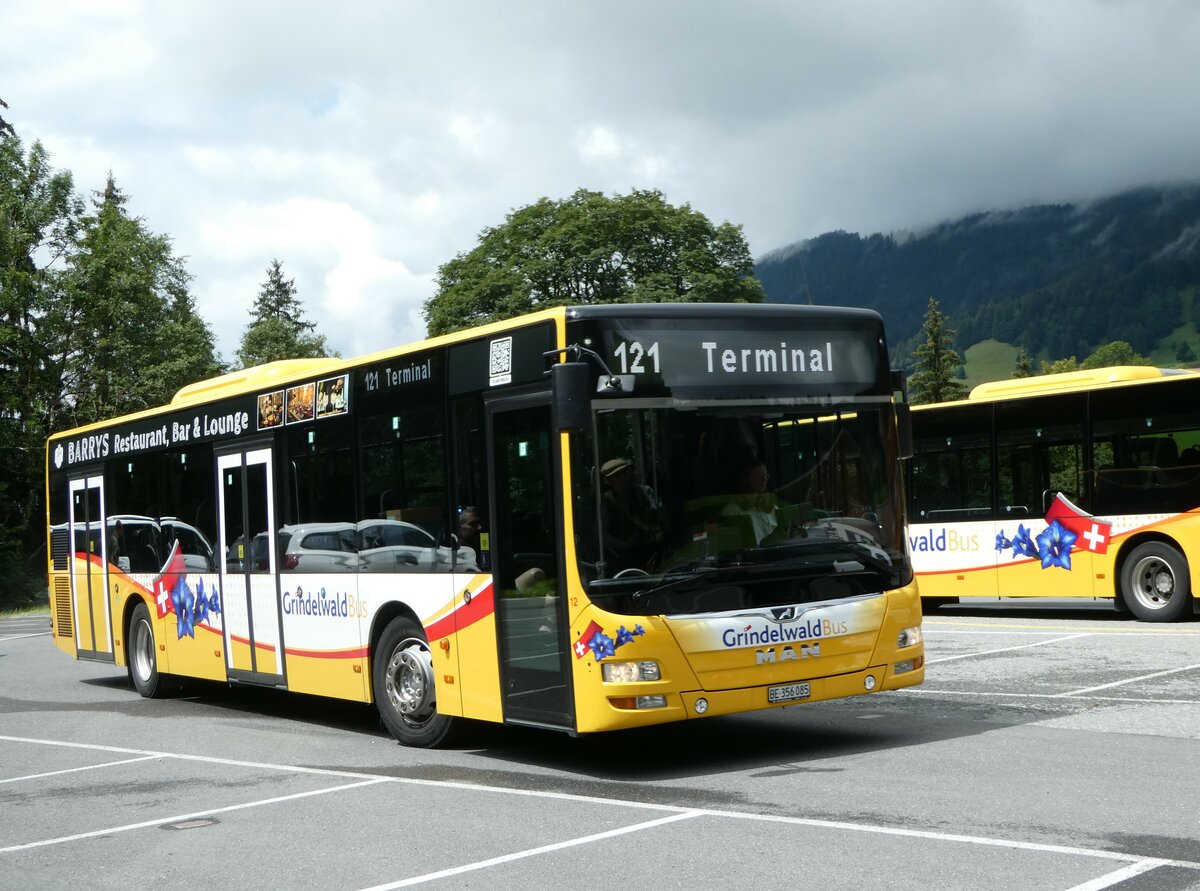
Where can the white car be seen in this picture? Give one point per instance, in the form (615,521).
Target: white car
(396,546)
(318,547)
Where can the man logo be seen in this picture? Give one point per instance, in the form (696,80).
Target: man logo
(788,653)
(784,615)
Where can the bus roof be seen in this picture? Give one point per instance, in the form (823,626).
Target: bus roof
(255,377)
(1073,381)
(288,371)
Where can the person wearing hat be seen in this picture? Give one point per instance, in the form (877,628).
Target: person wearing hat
(633,524)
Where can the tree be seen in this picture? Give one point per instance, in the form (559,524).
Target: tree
(1024,364)
(1184,352)
(1119,352)
(591,249)
(1058,366)
(38,219)
(277,328)
(95,320)
(134,336)
(6,129)
(935,361)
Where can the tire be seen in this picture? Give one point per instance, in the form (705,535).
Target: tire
(403,682)
(1155,582)
(141,655)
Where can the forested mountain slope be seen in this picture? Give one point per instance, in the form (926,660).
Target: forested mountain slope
(1058,280)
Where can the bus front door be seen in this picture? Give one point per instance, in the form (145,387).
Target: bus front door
(88,535)
(249,565)
(527,569)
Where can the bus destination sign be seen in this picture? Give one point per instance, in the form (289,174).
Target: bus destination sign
(814,360)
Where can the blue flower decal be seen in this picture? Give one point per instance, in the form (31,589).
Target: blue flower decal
(601,645)
(201,612)
(1023,544)
(624,636)
(184,603)
(1002,543)
(1055,544)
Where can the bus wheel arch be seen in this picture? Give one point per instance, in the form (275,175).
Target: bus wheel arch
(402,682)
(1154,579)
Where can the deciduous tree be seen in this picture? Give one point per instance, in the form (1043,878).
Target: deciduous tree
(1119,352)
(590,249)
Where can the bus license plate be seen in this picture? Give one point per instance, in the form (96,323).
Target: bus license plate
(787,692)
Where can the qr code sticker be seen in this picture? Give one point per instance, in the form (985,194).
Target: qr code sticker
(500,361)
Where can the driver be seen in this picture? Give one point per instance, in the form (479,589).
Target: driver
(633,523)
(753,500)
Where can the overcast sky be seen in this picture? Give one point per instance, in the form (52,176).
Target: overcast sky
(365,143)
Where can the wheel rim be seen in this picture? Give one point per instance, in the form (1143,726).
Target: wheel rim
(409,681)
(143,650)
(1153,582)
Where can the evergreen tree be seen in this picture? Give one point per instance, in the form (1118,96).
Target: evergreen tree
(1024,364)
(278,328)
(38,218)
(1184,353)
(935,361)
(134,336)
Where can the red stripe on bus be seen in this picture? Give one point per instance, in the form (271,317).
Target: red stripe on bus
(481,605)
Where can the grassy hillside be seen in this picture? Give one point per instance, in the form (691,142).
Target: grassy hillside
(990,360)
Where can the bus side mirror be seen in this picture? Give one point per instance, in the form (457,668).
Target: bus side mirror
(904,429)
(571,394)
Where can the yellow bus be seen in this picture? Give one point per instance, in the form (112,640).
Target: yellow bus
(543,521)
(1079,484)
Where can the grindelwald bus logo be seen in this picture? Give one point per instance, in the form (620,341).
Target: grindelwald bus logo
(58,456)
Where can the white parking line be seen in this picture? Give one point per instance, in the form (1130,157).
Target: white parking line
(1023,695)
(1040,643)
(677,813)
(55,773)
(1143,677)
(20,636)
(533,852)
(1120,875)
(147,824)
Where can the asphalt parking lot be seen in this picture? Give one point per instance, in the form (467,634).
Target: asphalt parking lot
(1050,748)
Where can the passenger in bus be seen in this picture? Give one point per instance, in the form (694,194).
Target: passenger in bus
(471,535)
(633,522)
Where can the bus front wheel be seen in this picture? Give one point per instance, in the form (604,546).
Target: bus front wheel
(402,680)
(1155,582)
(143,666)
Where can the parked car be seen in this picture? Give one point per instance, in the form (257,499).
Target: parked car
(396,546)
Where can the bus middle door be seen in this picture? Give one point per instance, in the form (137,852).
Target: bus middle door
(527,578)
(249,567)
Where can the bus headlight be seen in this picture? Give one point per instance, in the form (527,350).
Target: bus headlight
(630,672)
(909,637)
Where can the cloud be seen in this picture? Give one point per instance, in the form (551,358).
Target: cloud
(365,144)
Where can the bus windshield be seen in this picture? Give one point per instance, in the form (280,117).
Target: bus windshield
(682,510)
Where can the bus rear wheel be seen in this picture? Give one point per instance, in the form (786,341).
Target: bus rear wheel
(1155,582)
(143,666)
(402,680)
